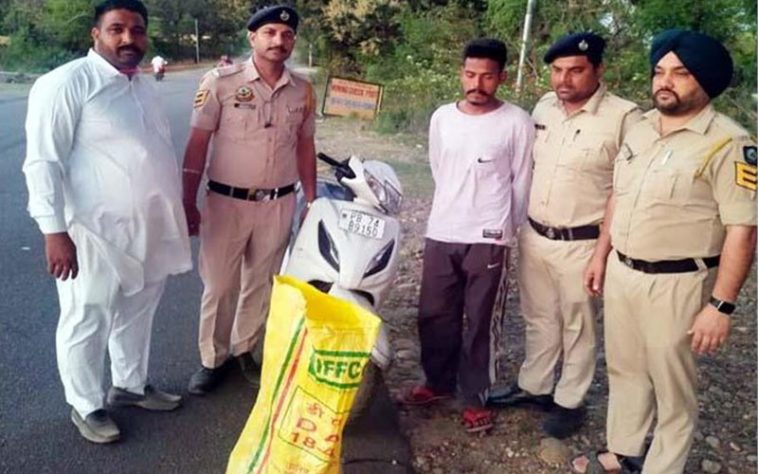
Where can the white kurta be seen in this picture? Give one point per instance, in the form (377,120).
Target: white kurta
(100,161)
(100,165)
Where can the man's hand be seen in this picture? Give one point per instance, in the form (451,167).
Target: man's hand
(710,330)
(594,276)
(193,217)
(61,256)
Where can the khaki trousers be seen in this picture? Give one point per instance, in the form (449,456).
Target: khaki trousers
(559,317)
(651,368)
(242,244)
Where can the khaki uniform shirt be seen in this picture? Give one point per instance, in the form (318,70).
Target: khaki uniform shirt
(573,157)
(256,128)
(674,194)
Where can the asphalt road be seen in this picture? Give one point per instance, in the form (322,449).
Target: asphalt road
(36,434)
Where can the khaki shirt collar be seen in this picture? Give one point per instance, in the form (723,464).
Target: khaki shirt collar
(698,124)
(252,75)
(590,106)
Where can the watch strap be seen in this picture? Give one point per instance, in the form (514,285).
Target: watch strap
(722,306)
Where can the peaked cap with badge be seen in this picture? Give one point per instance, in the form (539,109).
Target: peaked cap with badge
(703,56)
(274,14)
(577,44)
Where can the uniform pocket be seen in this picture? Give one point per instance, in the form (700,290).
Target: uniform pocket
(669,185)
(236,122)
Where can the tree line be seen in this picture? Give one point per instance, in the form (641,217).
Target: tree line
(412,47)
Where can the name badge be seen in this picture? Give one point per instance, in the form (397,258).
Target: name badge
(244,105)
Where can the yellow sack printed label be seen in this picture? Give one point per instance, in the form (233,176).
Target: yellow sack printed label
(315,352)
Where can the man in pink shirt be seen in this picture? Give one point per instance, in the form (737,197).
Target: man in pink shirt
(480,155)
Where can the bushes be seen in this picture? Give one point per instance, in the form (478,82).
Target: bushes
(422,71)
(419,55)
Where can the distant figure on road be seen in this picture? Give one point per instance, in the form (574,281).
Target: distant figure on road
(159,67)
(104,190)
(480,152)
(224,61)
(261,117)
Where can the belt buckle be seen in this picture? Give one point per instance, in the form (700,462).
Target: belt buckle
(550,233)
(628,262)
(257,194)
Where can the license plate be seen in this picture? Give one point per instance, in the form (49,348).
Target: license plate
(362,224)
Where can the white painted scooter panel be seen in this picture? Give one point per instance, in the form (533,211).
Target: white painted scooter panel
(306,263)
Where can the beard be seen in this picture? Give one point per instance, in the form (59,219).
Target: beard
(674,105)
(130,56)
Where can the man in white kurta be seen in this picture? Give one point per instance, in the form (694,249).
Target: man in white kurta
(103,179)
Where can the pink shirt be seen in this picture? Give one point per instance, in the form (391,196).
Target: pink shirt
(481,165)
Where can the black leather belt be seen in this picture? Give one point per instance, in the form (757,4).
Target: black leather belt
(585,232)
(250,194)
(668,266)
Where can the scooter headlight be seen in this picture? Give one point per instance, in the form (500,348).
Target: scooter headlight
(327,248)
(380,260)
(389,197)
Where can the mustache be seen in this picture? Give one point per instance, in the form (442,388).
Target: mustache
(477,91)
(278,48)
(133,49)
(666,89)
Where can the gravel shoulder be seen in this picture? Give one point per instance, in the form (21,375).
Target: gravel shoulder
(726,436)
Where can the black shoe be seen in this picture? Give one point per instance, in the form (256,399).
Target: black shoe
(205,380)
(250,369)
(563,422)
(516,396)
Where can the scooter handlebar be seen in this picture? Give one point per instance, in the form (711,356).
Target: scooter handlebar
(343,169)
(328,159)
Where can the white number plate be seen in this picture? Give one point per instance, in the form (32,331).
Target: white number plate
(362,224)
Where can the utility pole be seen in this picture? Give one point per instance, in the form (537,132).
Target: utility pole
(524,41)
(197,43)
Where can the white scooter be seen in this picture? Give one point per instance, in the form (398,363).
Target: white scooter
(348,246)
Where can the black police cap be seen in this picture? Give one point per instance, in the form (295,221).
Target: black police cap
(703,56)
(276,14)
(577,44)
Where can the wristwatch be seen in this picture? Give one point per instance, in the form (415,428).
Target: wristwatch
(722,306)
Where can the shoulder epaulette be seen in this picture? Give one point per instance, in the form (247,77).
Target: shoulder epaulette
(229,70)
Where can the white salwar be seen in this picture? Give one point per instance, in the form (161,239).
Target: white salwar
(100,165)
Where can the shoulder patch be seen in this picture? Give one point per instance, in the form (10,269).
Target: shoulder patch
(745,175)
(201,97)
(750,154)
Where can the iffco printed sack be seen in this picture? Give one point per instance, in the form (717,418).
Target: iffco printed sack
(315,350)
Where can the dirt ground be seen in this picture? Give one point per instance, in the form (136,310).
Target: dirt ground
(726,435)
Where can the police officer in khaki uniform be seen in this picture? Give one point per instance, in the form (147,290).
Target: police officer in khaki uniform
(683,232)
(261,117)
(580,127)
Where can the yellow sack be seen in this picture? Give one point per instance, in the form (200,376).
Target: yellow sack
(315,350)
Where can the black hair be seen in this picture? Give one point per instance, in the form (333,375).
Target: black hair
(135,6)
(487,48)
